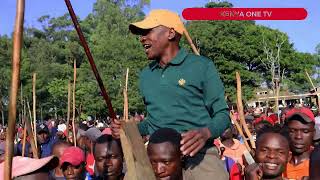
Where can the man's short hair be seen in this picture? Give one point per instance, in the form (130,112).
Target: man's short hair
(163,135)
(106,138)
(60,143)
(276,129)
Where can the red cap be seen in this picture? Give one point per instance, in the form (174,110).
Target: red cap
(72,155)
(305,113)
(263,118)
(273,118)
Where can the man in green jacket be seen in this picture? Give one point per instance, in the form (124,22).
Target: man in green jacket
(181,91)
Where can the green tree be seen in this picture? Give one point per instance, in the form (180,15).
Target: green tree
(238,46)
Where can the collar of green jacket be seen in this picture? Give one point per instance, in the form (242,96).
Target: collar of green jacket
(178,59)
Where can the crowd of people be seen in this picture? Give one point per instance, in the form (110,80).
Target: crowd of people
(187,131)
(58,154)
(286,148)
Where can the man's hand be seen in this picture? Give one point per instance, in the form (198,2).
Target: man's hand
(115,128)
(192,141)
(253,172)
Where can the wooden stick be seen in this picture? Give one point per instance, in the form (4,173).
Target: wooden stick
(21,102)
(68,111)
(277,100)
(240,132)
(127,150)
(310,80)
(318,94)
(90,58)
(25,129)
(2,115)
(124,104)
(125,95)
(141,164)
(34,79)
(240,111)
(74,102)
(194,49)
(23,109)
(30,116)
(124,141)
(16,56)
(128,156)
(127,76)
(24,138)
(32,139)
(248,157)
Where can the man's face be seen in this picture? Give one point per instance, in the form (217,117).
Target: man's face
(165,161)
(73,172)
(42,137)
(58,151)
(108,160)
(154,41)
(3,136)
(301,136)
(272,154)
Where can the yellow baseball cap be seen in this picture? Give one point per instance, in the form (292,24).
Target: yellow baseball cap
(156,18)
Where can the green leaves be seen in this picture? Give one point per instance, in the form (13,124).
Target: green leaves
(238,46)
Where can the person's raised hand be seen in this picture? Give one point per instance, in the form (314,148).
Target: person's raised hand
(115,128)
(253,172)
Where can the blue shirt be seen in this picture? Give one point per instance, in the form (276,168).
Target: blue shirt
(47,147)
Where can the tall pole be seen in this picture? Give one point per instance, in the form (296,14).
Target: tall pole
(21,102)
(90,58)
(30,116)
(74,102)
(34,79)
(125,99)
(2,114)
(24,119)
(193,47)
(24,138)
(278,93)
(32,139)
(68,110)
(16,56)
(318,94)
(240,111)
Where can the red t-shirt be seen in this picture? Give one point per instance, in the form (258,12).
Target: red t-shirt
(90,164)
